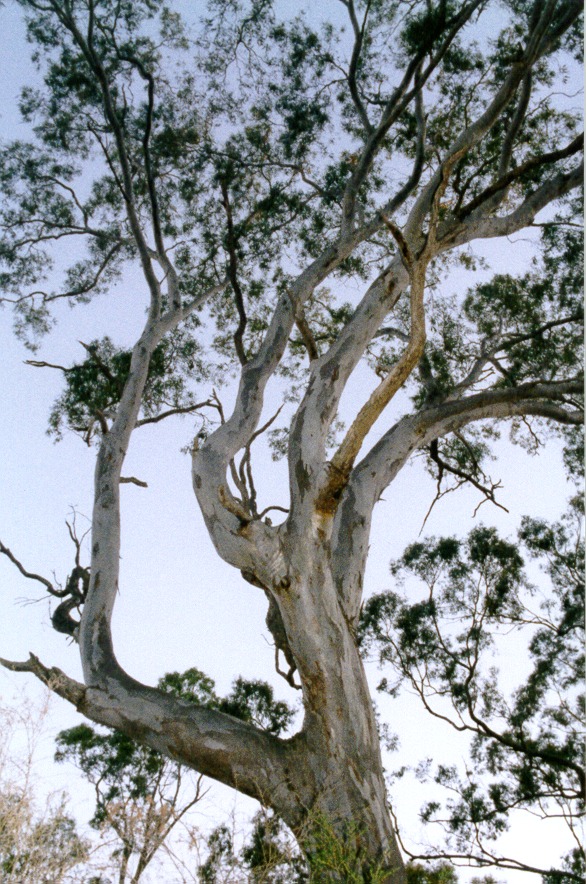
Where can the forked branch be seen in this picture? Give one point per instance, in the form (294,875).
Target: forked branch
(502,184)
(30,575)
(416,267)
(346,454)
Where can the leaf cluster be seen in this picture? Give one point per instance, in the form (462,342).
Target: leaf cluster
(93,388)
(527,745)
(268,855)
(251,701)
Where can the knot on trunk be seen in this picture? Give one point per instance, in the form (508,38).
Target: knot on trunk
(329,497)
(75,591)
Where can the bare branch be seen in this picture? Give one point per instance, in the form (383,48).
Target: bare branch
(483,859)
(59,593)
(516,123)
(55,679)
(162,255)
(445,466)
(354,61)
(185,409)
(306,333)
(281,509)
(36,363)
(233,275)
(501,185)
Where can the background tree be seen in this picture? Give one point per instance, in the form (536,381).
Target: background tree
(527,744)
(267,856)
(42,847)
(141,796)
(293,196)
(39,840)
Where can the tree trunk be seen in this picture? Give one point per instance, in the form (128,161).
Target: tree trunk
(331,791)
(347,814)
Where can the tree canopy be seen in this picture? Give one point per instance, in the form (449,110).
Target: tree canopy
(284,204)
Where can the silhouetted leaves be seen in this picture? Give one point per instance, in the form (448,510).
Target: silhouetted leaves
(527,744)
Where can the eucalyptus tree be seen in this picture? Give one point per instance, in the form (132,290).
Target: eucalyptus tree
(293,195)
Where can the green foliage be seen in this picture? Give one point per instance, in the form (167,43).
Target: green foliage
(93,388)
(438,873)
(254,701)
(191,685)
(527,744)
(534,321)
(573,868)
(541,311)
(271,854)
(251,701)
(268,134)
(220,857)
(508,331)
(425,26)
(335,857)
(268,856)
